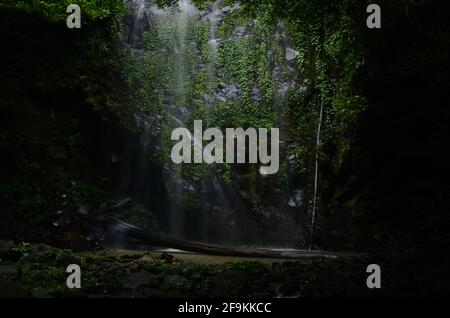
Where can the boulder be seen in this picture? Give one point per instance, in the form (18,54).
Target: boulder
(291,54)
(8,272)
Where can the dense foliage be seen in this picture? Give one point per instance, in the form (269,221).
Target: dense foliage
(59,86)
(48,70)
(55,10)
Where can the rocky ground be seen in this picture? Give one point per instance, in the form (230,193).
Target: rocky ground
(38,270)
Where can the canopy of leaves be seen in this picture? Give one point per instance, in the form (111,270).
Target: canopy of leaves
(55,10)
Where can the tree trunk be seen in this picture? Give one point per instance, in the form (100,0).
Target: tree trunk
(159,240)
(316,175)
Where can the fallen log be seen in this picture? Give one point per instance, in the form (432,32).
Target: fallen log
(159,240)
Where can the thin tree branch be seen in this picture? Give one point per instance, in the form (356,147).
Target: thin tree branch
(316,178)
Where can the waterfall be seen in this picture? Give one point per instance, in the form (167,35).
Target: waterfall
(213,26)
(176,53)
(137,8)
(172,27)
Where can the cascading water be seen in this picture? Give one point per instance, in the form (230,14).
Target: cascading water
(176,53)
(137,8)
(213,25)
(176,113)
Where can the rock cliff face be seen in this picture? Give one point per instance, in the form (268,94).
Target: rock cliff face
(228,71)
(82,138)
